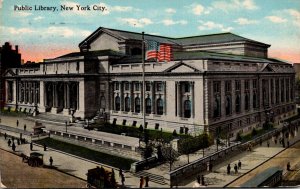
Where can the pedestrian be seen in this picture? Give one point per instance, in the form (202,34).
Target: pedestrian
(202,180)
(31,146)
(141,182)
(120,172)
(51,161)
(13,147)
(239,164)
(198,179)
(228,169)
(9,142)
(235,169)
(288,166)
(268,144)
(24,127)
(5,135)
(147,181)
(18,141)
(123,179)
(45,147)
(210,166)
(17,123)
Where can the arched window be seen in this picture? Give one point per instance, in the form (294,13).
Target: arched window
(187,109)
(137,105)
(148,105)
(118,103)
(228,105)
(246,101)
(102,102)
(127,104)
(160,106)
(217,106)
(238,104)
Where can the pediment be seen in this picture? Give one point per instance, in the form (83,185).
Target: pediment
(182,68)
(9,73)
(267,68)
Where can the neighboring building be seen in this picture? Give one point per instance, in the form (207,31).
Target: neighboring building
(9,58)
(297,70)
(218,83)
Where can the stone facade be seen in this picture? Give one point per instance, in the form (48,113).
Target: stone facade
(198,91)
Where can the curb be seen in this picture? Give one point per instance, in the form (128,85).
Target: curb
(225,186)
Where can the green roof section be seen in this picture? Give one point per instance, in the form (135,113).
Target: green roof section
(92,54)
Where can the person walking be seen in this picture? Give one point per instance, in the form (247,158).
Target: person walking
(288,166)
(202,180)
(235,169)
(18,141)
(31,146)
(120,172)
(147,181)
(123,179)
(239,164)
(13,147)
(5,135)
(9,142)
(17,123)
(45,147)
(268,144)
(24,127)
(228,169)
(198,179)
(141,182)
(51,161)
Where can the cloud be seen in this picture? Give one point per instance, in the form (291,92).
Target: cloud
(295,14)
(170,10)
(38,18)
(121,9)
(17,31)
(198,9)
(21,14)
(169,22)
(232,5)
(245,21)
(276,19)
(209,25)
(136,22)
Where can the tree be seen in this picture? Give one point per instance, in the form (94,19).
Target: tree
(169,155)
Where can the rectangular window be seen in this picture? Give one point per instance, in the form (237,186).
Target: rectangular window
(148,86)
(137,86)
(117,86)
(227,86)
(254,83)
(186,87)
(77,66)
(127,86)
(159,86)
(216,86)
(246,84)
(237,85)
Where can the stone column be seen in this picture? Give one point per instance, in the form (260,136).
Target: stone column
(222,94)
(14,91)
(80,112)
(260,94)
(142,97)
(54,93)
(122,95)
(42,94)
(153,98)
(111,95)
(131,86)
(66,110)
(179,99)
(165,97)
(192,99)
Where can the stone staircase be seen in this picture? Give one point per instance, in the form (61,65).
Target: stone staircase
(152,177)
(50,118)
(101,148)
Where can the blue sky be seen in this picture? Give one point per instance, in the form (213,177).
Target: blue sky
(47,34)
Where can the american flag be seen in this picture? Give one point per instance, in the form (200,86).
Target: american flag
(158,51)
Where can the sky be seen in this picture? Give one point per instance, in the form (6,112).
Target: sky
(48,34)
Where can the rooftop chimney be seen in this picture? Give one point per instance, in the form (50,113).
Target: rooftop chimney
(17,49)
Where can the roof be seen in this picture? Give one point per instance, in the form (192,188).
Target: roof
(201,39)
(196,55)
(92,53)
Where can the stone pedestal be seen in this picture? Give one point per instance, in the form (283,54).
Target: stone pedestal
(66,112)
(42,109)
(54,110)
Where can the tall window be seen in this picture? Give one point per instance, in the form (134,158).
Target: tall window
(137,105)
(160,106)
(277,91)
(118,103)
(228,105)
(148,86)
(148,105)
(187,109)
(127,104)
(127,86)
(287,90)
(247,99)
(238,103)
(117,85)
(217,99)
(137,86)
(255,100)
(282,90)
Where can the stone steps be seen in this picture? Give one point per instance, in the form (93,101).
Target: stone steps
(152,177)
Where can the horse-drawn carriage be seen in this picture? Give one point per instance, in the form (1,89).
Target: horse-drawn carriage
(101,178)
(35,159)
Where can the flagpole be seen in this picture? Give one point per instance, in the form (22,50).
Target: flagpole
(143,65)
